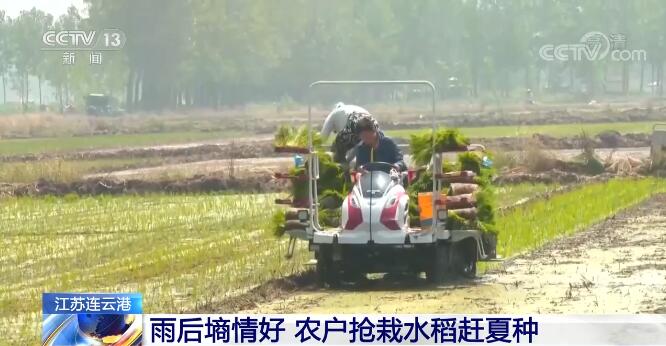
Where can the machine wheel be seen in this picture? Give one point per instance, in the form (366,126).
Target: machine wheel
(438,267)
(327,273)
(464,258)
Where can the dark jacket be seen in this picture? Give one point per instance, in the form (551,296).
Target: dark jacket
(386,151)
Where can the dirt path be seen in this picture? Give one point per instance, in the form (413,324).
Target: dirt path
(268,165)
(618,266)
(172,147)
(241,147)
(241,167)
(639,153)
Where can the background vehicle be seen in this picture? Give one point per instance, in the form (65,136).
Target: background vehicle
(101,104)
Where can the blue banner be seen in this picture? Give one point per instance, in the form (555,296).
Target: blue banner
(92,303)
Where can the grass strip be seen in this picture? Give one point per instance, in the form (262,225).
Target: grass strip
(67,171)
(532,225)
(25,146)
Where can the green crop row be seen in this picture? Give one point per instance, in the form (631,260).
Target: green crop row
(181,252)
(533,224)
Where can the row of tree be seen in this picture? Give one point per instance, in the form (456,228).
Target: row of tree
(207,53)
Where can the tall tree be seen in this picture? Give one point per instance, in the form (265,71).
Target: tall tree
(26,37)
(5,52)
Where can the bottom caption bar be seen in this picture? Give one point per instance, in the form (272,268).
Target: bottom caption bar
(164,329)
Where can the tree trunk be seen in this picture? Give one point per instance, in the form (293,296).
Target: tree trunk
(661,79)
(174,97)
(62,106)
(475,81)
(137,88)
(4,89)
(571,78)
(653,79)
(129,92)
(27,91)
(198,96)
(39,85)
(549,78)
(640,87)
(625,78)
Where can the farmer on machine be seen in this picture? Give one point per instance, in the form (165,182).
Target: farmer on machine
(342,120)
(375,146)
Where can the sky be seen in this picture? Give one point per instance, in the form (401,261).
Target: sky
(13,8)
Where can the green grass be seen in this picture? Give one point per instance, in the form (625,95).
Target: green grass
(63,144)
(180,251)
(530,226)
(509,195)
(557,130)
(66,171)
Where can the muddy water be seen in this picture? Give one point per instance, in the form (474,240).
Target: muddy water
(618,266)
